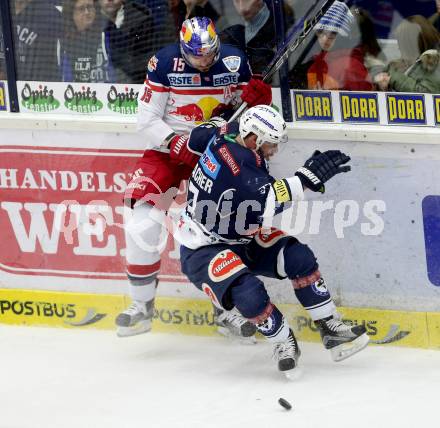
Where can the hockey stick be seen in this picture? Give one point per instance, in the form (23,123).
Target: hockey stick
(291,43)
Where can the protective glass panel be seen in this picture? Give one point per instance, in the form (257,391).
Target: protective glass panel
(3,96)
(2,52)
(382,45)
(99,41)
(89,40)
(251,26)
(38,25)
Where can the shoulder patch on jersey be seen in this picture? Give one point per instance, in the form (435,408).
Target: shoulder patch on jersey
(224,265)
(229,160)
(232,63)
(152,64)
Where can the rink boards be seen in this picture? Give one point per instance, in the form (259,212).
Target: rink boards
(194,317)
(376,230)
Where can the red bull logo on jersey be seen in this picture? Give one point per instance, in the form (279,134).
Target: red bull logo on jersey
(191,112)
(198,111)
(184,79)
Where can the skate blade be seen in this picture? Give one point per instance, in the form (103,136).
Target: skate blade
(251,340)
(139,328)
(346,350)
(293,374)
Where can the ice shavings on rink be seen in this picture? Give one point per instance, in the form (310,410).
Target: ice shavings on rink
(76,379)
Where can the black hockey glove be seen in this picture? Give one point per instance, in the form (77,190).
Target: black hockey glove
(321,167)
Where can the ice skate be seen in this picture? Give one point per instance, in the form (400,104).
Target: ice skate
(341,339)
(287,354)
(136,319)
(233,324)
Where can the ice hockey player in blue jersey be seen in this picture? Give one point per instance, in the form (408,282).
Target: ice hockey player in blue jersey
(227,238)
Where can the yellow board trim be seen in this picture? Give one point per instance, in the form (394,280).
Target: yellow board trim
(194,317)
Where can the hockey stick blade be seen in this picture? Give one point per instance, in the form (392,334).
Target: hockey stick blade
(293,40)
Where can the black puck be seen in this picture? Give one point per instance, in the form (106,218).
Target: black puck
(284,403)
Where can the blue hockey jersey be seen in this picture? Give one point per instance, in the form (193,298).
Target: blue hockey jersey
(227,194)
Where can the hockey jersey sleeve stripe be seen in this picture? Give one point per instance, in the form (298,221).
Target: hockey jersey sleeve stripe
(157,87)
(202,91)
(292,188)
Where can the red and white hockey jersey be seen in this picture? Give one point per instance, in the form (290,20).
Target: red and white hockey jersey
(176,97)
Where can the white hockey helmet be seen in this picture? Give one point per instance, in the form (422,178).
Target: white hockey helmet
(266,123)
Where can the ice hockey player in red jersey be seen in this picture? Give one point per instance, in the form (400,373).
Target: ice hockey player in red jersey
(187,83)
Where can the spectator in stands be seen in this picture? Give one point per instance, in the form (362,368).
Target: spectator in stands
(418,68)
(39,26)
(130,34)
(83,53)
(385,12)
(335,69)
(184,9)
(164,29)
(364,41)
(257,36)
(158,8)
(374,59)
(435,18)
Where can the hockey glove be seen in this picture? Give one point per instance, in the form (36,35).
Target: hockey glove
(179,151)
(321,167)
(256,92)
(216,121)
(225,111)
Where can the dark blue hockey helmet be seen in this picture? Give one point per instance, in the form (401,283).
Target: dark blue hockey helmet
(198,38)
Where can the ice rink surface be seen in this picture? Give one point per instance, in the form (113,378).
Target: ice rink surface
(65,378)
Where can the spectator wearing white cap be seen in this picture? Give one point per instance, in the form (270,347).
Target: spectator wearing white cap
(339,69)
